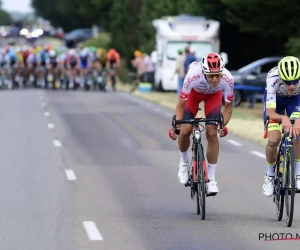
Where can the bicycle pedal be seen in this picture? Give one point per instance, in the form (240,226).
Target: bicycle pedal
(211,194)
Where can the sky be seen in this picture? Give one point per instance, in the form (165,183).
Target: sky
(17,5)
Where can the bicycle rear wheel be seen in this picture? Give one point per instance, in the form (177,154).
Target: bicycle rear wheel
(201,184)
(197,201)
(289,185)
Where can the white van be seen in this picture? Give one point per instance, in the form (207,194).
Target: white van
(173,33)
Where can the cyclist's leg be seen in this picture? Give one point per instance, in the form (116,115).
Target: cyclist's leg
(212,109)
(190,111)
(274,137)
(293,111)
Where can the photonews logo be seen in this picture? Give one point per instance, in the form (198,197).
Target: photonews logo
(278,236)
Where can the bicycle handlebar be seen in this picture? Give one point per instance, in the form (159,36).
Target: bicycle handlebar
(196,121)
(266,132)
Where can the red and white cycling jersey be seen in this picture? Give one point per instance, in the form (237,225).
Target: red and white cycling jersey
(195,79)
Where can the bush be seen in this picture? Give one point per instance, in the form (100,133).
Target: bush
(101,41)
(293,46)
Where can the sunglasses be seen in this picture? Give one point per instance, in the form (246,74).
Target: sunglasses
(294,82)
(211,76)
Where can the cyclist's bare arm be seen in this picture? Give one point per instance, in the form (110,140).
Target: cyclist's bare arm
(272,85)
(180,108)
(227,112)
(273,115)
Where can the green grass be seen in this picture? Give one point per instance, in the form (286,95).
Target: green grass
(243,114)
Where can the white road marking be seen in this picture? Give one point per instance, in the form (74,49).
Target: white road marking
(70,174)
(43,104)
(235,143)
(258,154)
(57,143)
(50,125)
(46,113)
(92,230)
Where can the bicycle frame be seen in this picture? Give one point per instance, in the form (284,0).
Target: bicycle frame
(197,147)
(286,143)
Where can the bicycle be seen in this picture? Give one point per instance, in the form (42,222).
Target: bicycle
(285,178)
(198,174)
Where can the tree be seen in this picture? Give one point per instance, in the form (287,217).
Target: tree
(4,17)
(153,9)
(268,18)
(72,14)
(118,27)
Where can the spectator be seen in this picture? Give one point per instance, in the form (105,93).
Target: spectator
(179,70)
(189,59)
(138,63)
(149,67)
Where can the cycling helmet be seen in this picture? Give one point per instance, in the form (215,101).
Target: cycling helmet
(25,48)
(212,63)
(84,52)
(52,53)
(289,68)
(17,49)
(72,52)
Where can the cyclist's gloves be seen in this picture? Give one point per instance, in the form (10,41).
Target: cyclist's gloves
(173,135)
(225,131)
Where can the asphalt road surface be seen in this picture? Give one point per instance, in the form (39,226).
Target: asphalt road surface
(90,170)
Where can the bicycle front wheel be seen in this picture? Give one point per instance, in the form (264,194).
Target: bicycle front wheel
(279,194)
(201,183)
(195,189)
(289,186)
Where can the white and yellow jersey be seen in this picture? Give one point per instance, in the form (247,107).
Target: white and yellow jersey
(275,86)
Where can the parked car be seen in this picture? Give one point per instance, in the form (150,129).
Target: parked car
(76,36)
(251,78)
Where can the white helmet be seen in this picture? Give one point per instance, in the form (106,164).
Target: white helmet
(212,63)
(72,52)
(25,48)
(84,52)
(52,53)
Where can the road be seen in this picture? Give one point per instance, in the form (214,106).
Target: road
(21,41)
(89,170)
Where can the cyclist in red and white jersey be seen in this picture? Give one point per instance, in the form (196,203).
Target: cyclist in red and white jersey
(205,81)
